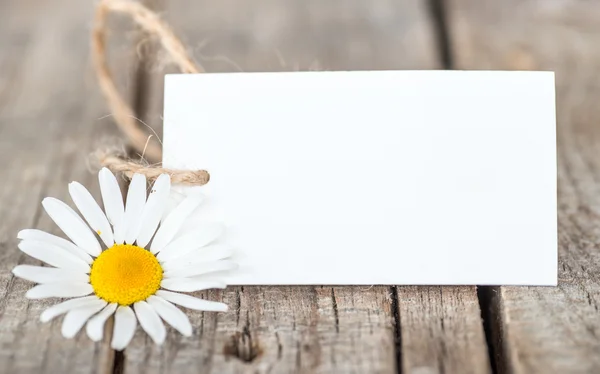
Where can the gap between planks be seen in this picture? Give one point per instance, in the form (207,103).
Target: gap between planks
(488,304)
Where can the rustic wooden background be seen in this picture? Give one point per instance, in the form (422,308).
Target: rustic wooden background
(52,117)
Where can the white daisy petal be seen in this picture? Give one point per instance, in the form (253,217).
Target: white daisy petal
(65,306)
(192,302)
(89,209)
(174,221)
(191,284)
(39,274)
(111,196)
(72,225)
(95,325)
(171,314)
(201,268)
(70,289)
(76,318)
(42,236)
(154,209)
(213,252)
(186,243)
(124,329)
(53,255)
(136,199)
(113,203)
(150,322)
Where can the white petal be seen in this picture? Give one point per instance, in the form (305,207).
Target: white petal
(95,326)
(171,314)
(53,255)
(76,318)
(154,208)
(124,329)
(42,236)
(213,252)
(190,284)
(39,274)
(201,268)
(192,302)
(150,322)
(186,243)
(174,221)
(71,289)
(72,225)
(58,309)
(136,199)
(111,196)
(113,203)
(89,209)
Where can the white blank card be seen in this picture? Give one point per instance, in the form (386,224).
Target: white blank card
(387,177)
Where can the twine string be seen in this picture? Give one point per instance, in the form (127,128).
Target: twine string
(128,168)
(123,114)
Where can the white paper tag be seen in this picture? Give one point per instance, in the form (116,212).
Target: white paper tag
(387,177)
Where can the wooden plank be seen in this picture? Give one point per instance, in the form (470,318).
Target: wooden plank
(537,329)
(290,35)
(313,329)
(49,118)
(279,330)
(441,330)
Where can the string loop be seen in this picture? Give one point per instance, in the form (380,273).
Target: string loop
(123,114)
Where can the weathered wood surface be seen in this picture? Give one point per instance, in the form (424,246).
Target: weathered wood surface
(441,330)
(49,120)
(549,330)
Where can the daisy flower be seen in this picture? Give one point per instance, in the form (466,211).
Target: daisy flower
(138,277)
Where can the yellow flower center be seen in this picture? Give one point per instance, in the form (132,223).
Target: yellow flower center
(125,274)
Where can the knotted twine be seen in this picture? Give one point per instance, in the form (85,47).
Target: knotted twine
(123,114)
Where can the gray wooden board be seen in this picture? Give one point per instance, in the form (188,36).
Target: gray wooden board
(312,329)
(441,330)
(49,120)
(537,329)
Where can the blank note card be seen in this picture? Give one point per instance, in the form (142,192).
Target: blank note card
(388,177)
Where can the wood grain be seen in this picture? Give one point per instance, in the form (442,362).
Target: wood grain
(442,331)
(289,35)
(280,330)
(313,329)
(549,330)
(49,120)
